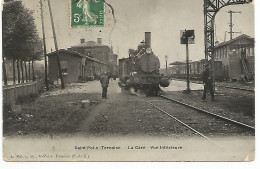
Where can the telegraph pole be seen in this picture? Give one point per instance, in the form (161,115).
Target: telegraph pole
(56,46)
(44,49)
(231,23)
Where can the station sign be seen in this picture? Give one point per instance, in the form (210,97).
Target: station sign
(187,35)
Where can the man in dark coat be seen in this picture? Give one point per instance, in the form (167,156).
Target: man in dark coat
(104,84)
(207,81)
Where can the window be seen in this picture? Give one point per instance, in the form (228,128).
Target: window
(64,71)
(64,67)
(247,51)
(88,52)
(252,51)
(225,52)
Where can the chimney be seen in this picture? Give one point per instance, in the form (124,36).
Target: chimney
(82,41)
(99,41)
(147,40)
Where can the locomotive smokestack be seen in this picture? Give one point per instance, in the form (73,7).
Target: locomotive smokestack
(99,41)
(82,40)
(147,40)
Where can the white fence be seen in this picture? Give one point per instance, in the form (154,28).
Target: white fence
(11,93)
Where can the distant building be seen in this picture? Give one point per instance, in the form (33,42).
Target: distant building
(75,66)
(98,51)
(237,57)
(234,60)
(83,62)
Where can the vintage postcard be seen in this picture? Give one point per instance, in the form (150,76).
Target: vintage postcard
(128,80)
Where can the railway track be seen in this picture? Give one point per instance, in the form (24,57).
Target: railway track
(209,113)
(181,122)
(202,122)
(237,88)
(225,86)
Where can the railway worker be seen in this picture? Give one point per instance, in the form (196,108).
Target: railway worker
(207,82)
(104,84)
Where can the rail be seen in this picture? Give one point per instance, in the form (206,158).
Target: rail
(209,113)
(225,86)
(186,125)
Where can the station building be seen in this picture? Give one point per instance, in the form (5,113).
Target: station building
(74,66)
(234,61)
(237,57)
(86,61)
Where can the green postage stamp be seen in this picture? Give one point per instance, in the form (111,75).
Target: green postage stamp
(87,13)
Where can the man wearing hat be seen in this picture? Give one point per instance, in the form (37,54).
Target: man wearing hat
(104,84)
(207,81)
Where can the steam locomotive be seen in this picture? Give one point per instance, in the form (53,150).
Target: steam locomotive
(141,69)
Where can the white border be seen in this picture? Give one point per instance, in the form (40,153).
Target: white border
(150,165)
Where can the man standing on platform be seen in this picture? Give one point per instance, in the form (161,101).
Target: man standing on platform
(207,81)
(104,84)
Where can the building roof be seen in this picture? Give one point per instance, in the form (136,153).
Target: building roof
(77,54)
(177,63)
(184,63)
(243,36)
(89,44)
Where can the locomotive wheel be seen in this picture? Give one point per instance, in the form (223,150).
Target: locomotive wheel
(152,90)
(136,89)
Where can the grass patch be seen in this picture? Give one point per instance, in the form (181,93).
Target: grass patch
(47,115)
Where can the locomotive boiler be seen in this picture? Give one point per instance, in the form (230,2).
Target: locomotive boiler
(141,69)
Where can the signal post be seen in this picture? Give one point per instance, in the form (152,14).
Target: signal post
(187,37)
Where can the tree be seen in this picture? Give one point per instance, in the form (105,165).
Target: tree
(4,71)
(36,52)
(8,29)
(21,41)
(21,64)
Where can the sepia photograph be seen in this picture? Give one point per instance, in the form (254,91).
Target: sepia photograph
(128,80)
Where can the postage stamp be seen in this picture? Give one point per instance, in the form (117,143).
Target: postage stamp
(87,13)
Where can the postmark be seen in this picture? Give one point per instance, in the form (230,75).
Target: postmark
(87,13)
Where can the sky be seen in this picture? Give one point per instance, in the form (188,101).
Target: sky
(163,18)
